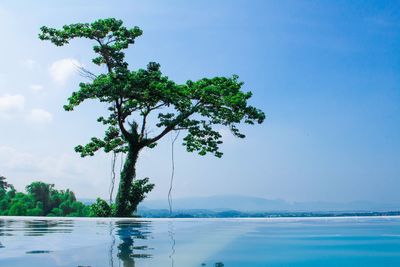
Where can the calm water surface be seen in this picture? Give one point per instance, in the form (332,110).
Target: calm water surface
(200,242)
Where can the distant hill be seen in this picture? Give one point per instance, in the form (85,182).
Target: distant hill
(244,206)
(87,201)
(255,204)
(164,213)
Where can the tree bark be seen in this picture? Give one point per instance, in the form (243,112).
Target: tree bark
(128,174)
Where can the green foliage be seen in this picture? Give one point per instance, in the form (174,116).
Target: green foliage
(42,192)
(41,199)
(17,209)
(139,189)
(79,210)
(6,197)
(214,101)
(100,209)
(36,211)
(199,108)
(3,184)
(56,212)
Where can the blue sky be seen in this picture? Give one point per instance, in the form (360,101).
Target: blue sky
(326,73)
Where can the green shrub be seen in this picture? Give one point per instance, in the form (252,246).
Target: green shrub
(100,209)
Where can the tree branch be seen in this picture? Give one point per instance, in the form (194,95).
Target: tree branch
(86,73)
(143,125)
(104,54)
(118,105)
(125,133)
(145,114)
(156,107)
(171,127)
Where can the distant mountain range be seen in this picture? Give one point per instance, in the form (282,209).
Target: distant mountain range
(255,204)
(243,206)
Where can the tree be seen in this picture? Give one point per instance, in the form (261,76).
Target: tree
(41,200)
(7,193)
(41,192)
(197,107)
(3,184)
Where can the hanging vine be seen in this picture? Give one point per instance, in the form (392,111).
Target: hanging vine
(172,172)
(112,183)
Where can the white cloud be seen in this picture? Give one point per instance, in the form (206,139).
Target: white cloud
(61,165)
(61,70)
(11,105)
(39,116)
(12,159)
(36,88)
(66,170)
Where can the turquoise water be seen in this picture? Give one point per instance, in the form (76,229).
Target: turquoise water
(201,242)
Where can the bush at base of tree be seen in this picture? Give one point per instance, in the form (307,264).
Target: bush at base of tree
(100,209)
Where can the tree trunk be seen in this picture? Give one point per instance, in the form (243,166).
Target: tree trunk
(123,207)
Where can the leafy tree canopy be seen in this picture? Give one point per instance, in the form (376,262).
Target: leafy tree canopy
(195,106)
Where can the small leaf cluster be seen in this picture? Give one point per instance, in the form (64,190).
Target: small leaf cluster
(139,189)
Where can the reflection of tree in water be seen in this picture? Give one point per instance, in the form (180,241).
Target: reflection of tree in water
(171,233)
(33,227)
(5,227)
(1,231)
(217,264)
(127,233)
(42,227)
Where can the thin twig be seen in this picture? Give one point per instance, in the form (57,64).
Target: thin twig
(85,73)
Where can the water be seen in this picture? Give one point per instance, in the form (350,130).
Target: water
(200,242)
